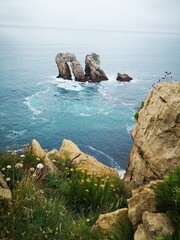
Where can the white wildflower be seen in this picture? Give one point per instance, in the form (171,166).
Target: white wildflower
(53,160)
(22,156)
(8,166)
(32,169)
(3,169)
(39,166)
(38,159)
(19,165)
(8,179)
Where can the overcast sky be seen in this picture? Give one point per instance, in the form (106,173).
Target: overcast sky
(146,15)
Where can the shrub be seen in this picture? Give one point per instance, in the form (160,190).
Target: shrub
(136,115)
(168,199)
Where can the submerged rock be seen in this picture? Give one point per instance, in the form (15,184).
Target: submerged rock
(123,77)
(156,136)
(92,68)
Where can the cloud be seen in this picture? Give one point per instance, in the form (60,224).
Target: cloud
(107,14)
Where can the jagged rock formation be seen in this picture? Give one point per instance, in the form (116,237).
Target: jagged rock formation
(156,136)
(62,60)
(92,68)
(143,199)
(123,77)
(71,152)
(77,157)
(93,73)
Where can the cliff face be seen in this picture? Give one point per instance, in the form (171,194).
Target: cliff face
(156,136)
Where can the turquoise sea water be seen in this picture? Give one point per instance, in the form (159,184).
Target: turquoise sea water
(97,117)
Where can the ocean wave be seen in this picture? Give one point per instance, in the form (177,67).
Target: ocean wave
(15,134)
(129,128)
(70,85)
(28,101)
(121,172)
(113,163)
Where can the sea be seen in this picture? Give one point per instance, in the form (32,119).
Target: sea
(98,117)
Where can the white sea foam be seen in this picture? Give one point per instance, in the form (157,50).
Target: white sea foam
(85,115)
(121,172)
(129,128)
(114,164)
(15,134)
(28,102)
(70,85)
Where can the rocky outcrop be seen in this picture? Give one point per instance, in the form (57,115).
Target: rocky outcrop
(156,136)
(106,222)
(36,150)
(123,77)
(92,68)
(62,60)
(143,199)
(5,193)
(153,225)
(70,151)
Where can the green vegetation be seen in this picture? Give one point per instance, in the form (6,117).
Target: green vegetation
(63,206)
(136,115)
(168,200)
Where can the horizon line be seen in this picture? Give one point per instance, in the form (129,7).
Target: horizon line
(89,29)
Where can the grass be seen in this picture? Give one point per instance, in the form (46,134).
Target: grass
(55,206)
(136,115)
(168,200)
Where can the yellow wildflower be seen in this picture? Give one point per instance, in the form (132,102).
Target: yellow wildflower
(82,171)
(88,180)
(72,169)
(82,180)
(112,185)
(107,177)
(87,190)
(95,184)
(102,186)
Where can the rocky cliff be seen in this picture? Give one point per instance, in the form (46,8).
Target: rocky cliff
(156,136)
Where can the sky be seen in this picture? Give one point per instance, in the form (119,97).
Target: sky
(137,15)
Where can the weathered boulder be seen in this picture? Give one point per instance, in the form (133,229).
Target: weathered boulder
(123,77)
(3,183)
(153,225)
(92,68)
(156,136)
(50,165)
(106,222)
(143,199)
(62,60)
(71,152)
(36,149)
(5,195)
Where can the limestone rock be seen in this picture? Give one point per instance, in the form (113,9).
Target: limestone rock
(106,222)
(71,152)
(3,183)
(78,71)
(123,77)
(143,199)
(157,224)
(36,150)
(62,60)
(50,165)
(141,234)
(5,195)
(156,136)
(92,68)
